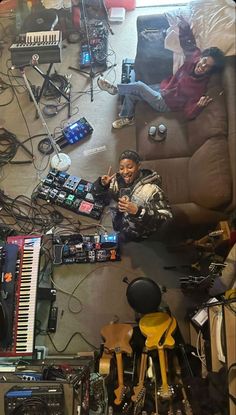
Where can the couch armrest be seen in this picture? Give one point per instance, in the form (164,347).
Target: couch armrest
(229,84)
(152,22)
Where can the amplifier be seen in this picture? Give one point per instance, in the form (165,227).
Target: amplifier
(34,400)
(128,74)
(61,384)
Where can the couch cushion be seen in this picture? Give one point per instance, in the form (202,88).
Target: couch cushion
(212,121)
(209,174)
(174,173)
(174,145)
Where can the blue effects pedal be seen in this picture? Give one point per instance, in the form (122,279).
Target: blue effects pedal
(84,57)
(77,131)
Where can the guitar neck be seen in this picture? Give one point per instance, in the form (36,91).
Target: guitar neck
(119,363)
(186,404)
(152,374)
(139,390)
(162,359)
(143,366)
(120,390)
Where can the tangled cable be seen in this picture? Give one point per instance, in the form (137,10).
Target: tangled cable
(8,147)
(24,215)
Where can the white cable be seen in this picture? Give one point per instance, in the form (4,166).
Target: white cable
(198,355)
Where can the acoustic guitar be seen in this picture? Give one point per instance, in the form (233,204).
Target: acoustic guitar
(117,337)
(158,328)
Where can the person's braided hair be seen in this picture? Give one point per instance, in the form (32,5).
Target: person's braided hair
(130,155)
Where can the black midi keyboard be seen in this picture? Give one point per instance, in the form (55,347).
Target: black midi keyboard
(41,47)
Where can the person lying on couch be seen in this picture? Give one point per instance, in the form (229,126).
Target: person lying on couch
(184,91)
(140,203)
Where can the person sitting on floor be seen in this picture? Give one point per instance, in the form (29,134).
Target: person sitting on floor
(184,91)
(141,205)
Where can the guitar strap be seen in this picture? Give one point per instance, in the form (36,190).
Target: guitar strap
(164,335)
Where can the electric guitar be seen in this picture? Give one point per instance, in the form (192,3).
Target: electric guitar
(185,401)
(117,337)
(158,328)
(139,391)
(105,363)
(152,375)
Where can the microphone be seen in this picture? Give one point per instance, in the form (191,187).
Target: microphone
(125,198)
(125,194)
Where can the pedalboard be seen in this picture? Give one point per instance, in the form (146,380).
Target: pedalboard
(70,192)
(94,52)
(78,248)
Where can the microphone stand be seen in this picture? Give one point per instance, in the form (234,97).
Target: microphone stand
(59,161)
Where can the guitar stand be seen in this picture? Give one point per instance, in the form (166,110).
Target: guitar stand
(47,81)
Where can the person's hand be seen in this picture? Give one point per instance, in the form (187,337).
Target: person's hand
(182,22)
(204,101)
(124,205)
(106,179)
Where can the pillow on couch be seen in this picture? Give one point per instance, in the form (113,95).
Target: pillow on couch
(209,174)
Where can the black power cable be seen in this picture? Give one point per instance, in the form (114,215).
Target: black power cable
(9,145)
(36,405)
(60,81)
(25,215)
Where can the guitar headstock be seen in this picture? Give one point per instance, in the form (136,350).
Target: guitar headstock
(120,393)
(139,393)
(138,398)
(166,392)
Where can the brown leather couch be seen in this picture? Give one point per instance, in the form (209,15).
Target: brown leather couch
(196,159)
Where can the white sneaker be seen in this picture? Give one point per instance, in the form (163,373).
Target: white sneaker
(122,122)
(104,85)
